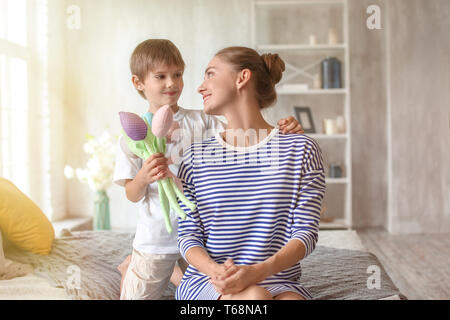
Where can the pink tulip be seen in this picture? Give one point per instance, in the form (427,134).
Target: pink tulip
(162,121)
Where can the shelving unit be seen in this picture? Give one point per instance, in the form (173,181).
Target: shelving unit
(284,49)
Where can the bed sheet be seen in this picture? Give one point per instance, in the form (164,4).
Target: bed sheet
(337,269)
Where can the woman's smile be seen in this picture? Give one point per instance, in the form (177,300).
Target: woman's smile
(205,97)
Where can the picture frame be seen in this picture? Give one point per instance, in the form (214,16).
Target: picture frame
(304,117)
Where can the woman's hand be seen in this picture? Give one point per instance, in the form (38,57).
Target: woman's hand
(236,278)
(290,125)
(219,271)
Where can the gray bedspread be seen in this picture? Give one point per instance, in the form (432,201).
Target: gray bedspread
(328,273)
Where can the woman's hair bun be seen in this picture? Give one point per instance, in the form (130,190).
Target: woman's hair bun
(275,66)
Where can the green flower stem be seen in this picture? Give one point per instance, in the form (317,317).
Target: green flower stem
(167,185)
(182,197)
(165,206)
(172,198)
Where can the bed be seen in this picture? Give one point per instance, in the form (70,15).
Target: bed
(83,266)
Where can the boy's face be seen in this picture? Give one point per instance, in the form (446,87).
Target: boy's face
(163,85)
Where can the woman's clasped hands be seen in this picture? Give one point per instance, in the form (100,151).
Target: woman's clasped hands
(229,278)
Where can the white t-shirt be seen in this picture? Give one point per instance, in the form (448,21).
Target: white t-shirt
(151,234)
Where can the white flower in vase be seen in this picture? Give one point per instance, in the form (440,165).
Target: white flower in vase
(98,174)
(69,173)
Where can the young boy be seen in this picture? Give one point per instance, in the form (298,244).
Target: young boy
(157,74)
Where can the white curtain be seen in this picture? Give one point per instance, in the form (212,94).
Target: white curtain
(27,149)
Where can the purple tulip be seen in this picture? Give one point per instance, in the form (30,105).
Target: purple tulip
(133,125)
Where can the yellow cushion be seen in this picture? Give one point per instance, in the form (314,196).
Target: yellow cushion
(22,222)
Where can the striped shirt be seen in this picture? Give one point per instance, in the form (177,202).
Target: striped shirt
(251,201)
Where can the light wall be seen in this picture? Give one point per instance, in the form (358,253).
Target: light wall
(58,107)
(418,60)
(369,128)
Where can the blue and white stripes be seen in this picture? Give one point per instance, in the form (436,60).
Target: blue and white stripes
(250,203)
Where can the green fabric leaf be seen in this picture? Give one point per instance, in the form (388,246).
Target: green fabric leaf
(137,147)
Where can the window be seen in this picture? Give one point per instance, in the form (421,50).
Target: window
(13,22)
(14,93)
(24,116)
(14,121)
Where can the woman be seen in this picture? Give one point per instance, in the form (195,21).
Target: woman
(258,196)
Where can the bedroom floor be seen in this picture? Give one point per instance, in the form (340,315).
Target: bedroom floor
(417,264)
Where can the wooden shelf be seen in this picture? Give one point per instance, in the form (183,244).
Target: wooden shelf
(72,224)
(312,91)
(336,224)
(336,180)
(327,136)
(296,3)
(279,47)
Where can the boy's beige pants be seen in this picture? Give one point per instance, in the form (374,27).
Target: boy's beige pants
(148,275)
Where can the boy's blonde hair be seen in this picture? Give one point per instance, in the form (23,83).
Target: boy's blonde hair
(150,53)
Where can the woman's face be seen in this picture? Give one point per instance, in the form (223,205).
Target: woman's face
(219,87)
